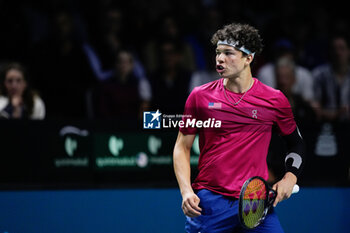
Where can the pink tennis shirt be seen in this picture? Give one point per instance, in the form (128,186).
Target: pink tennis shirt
(237,150)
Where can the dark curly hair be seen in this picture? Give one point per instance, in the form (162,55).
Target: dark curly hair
(244,34)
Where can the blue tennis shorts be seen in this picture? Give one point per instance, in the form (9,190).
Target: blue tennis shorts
(220,214)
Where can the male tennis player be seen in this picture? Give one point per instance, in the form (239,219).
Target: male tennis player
(248,110)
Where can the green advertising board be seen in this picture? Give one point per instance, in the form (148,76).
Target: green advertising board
(136,151)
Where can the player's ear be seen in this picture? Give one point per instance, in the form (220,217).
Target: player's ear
(249,58)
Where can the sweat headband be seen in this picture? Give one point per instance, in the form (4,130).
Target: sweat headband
(234,44)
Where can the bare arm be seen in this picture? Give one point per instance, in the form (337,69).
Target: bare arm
(182,168)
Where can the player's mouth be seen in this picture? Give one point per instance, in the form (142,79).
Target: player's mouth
(220,69)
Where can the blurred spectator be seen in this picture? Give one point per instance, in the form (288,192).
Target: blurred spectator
(18,100)
(110,36)
(316,36)
(285,73)
(285,79)
(209,20)
(169,31)
(303,84)
(332,82)
(170,82)
(47,35)
(62,70)
(200,77)
(125,95)
(102,51)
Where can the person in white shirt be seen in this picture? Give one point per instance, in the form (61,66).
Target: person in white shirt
(17,99)
(332,82)
(304,81)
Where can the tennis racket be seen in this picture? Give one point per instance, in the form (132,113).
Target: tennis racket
(255,200)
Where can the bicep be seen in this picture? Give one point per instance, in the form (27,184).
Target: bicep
(182,154)
(184,141)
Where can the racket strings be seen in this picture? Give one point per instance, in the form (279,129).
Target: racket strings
(254,203)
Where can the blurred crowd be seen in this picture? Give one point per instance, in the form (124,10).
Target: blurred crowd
(112,59)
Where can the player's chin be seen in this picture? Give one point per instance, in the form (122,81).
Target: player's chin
(223,74)
(226,74)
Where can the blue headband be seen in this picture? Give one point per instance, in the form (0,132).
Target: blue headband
(234,44)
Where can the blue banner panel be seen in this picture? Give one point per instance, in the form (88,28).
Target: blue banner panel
(320,210)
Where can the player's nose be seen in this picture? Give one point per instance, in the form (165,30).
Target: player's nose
(219,59)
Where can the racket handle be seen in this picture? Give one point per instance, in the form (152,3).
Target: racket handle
(295,189)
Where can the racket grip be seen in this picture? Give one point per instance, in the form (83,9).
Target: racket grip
(295,189)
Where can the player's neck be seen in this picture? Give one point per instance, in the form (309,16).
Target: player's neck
(239,84)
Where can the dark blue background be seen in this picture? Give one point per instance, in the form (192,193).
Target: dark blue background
(152,210)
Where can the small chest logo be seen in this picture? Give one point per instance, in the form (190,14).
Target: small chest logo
(254,114)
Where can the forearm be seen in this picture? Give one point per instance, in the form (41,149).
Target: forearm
(182,168)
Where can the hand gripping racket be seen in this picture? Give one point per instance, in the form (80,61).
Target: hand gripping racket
(255,200)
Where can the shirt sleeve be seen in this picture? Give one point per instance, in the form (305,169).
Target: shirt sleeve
(145,89)
(317,85)
(284,115)
(39,109)
(305,81)
(190,112)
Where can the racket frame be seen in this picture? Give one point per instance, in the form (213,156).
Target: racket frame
(269,200)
